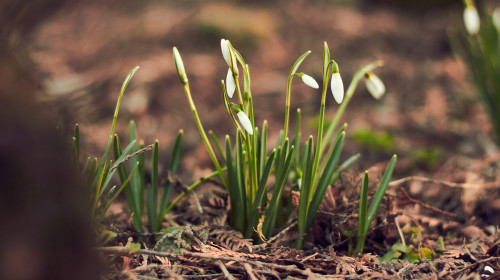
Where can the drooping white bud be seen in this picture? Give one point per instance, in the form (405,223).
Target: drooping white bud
(245,122)
(374,85)
(308,80)
(225,50)
(471,19)
(230,85)
(337,87)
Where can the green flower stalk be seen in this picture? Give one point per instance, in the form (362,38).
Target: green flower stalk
(288,91)
(184,80)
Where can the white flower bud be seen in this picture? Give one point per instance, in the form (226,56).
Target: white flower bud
(225,50)
(245,122)
(180,66)
(374,85)
(471,19)
(230,85)
(310,81)
(337,87)
(495,16)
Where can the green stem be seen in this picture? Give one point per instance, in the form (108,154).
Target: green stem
(350,92)
(318,143)
(287,108)
(204,135)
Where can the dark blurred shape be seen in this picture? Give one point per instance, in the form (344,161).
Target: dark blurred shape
(414,5)
(44,226)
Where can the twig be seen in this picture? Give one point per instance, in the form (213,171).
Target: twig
(400,231)
(128,157)
(225,271)
(275,237)
(126,251)
(471,266)
(442,212)
(490,185)
(249,270)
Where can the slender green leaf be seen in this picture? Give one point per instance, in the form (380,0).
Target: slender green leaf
(153,190)
(275,205)
(343,167)
(320,189)
(122,173)
(326,63)
(217,145)
(306,184)
(298,63)
(124,184)
(377,199)
(253,217)
(172,167)
(363,206)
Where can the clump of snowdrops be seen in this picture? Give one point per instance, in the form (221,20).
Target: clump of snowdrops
(245,163)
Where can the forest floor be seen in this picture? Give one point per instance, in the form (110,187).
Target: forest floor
(443,203)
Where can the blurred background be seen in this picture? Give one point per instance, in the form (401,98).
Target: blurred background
(85,50)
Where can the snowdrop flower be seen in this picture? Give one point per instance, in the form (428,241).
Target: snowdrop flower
(180,66)
(374,85)
(471,18)
(308,80)
(245,122)
(495,16)
(225,50)
(230,86)
(489,270)
(336,84)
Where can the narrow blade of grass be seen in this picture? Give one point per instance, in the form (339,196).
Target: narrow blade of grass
(377,199)
(324,181)
(362,218)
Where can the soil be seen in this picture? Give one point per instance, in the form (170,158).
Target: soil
(446,183)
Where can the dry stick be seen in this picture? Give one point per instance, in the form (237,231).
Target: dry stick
(249,270)
(426,206)
(225,271)
(275,237)
(490,185)
(263,272)
(128,157)
(127,251)
(471,266)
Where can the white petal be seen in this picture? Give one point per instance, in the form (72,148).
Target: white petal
(375,86)
(310,81)
(471,20)
(225,50)
(245,122)
(489,269)
(337,87)
(230,86)
(495,16)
